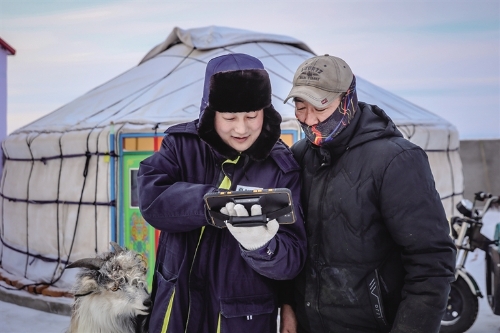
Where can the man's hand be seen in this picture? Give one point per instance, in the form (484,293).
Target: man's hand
(288,321)
(251,238)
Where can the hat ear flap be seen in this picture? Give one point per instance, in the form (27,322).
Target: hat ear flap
(271,132)
(258,151)
(207,132)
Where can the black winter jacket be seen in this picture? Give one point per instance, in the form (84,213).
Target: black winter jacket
(380,257)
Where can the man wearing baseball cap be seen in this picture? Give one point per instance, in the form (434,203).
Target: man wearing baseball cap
(380,258)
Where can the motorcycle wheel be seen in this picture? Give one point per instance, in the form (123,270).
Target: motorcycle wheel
(461,310)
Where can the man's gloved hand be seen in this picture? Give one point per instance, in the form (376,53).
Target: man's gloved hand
(251,238)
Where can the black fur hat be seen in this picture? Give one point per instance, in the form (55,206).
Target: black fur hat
(240,91)
(238,83)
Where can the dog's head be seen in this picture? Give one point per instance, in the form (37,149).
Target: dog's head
(117,279)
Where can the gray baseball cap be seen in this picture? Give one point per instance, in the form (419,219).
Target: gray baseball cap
(319,80)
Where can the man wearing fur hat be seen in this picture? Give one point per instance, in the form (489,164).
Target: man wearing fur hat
(221,280)
(380,258)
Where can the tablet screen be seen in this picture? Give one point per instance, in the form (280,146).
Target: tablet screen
(276,204)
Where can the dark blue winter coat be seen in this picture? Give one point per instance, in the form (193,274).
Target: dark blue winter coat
(203,279)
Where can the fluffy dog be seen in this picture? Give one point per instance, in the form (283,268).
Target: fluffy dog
(111,294)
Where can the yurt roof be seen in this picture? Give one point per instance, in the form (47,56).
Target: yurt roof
(165,87)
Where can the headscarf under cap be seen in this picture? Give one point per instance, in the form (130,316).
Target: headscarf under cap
(329,128)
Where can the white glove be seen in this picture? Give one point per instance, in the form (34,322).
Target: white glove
(251,238)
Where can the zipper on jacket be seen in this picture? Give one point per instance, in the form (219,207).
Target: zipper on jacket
(189,282)
(226,181)
(218,323)
(226,185)
(168,313)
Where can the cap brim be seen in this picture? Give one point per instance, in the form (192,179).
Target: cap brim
(319,98)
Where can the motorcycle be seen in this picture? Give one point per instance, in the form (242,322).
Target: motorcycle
(462,308)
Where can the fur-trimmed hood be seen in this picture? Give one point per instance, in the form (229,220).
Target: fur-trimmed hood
(238,83)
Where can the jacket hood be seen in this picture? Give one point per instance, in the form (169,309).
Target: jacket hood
(238,83)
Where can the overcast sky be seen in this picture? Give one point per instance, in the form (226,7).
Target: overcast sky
(443,55)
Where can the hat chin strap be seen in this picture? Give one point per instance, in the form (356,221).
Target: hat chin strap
(258,151)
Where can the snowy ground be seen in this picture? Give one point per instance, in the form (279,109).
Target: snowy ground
(17,319)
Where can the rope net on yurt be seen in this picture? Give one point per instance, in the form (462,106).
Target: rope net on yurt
(62,189)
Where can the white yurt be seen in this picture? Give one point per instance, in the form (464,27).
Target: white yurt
(68,183)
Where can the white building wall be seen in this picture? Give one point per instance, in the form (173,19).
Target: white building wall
(3,100)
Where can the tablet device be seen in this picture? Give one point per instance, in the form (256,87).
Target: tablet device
(276,204)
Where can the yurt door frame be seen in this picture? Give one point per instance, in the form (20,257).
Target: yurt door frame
(133,232)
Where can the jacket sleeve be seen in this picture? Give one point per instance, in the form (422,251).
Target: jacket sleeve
(416,220)
(165,201)
(284,257)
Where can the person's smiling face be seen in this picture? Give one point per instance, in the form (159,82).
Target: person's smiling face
(239,130)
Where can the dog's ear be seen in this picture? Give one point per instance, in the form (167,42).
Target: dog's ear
(86,286)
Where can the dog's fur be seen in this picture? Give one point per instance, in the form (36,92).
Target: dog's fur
(111,294)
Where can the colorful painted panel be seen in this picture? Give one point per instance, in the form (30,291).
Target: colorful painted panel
(289,137)
(135,233)
(144,143)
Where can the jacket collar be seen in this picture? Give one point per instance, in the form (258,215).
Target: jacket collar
(369,123)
